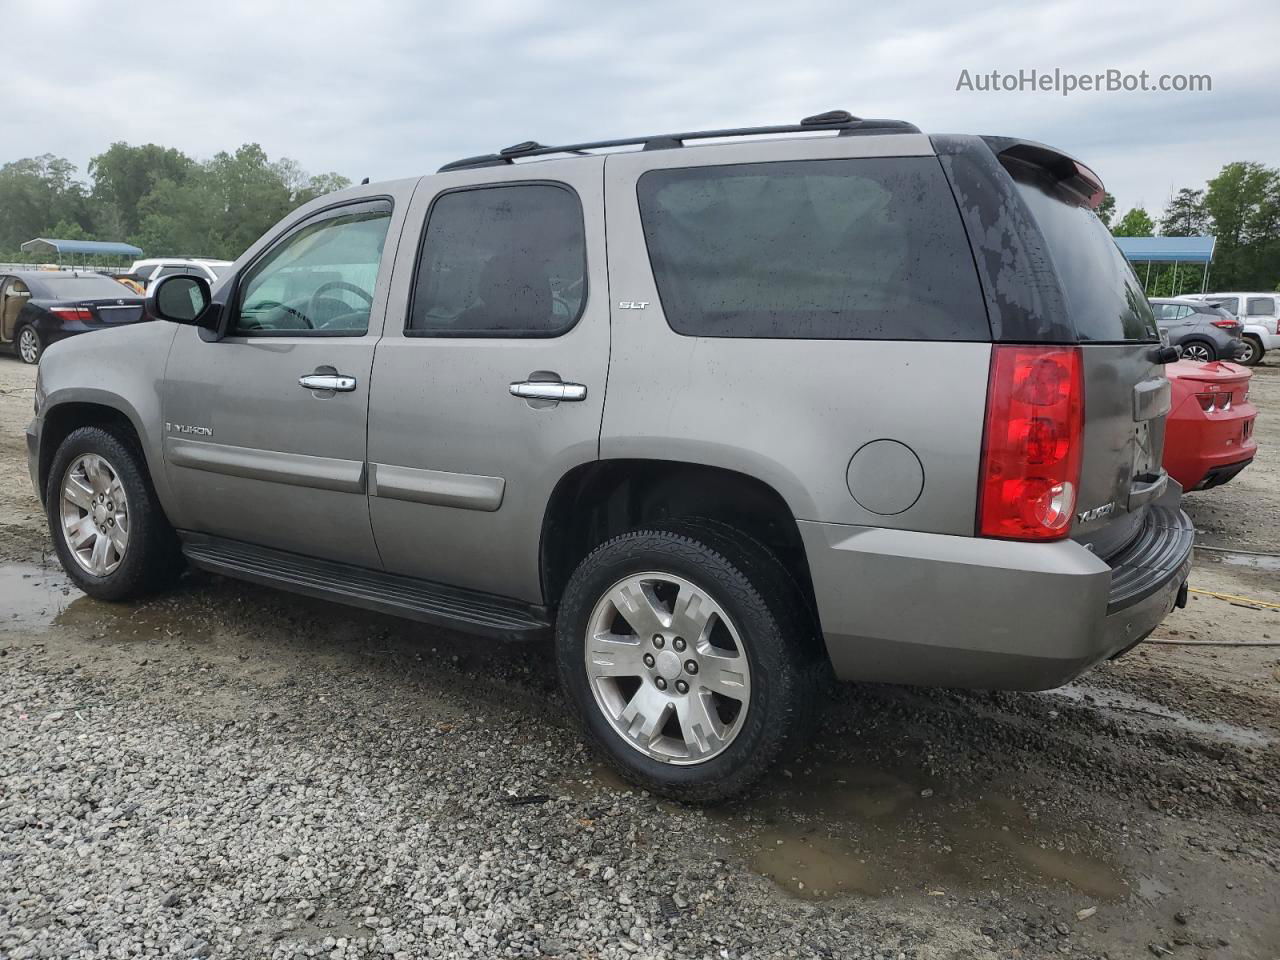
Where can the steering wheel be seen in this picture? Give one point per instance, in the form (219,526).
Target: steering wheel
(339,285)
(272,304)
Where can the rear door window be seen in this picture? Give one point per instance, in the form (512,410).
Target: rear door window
(501,261)
(1103,294)
(1261,306)
(859,249)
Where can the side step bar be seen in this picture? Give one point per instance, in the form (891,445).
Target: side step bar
(467,610)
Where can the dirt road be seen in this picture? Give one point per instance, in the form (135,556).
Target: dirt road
(229,771)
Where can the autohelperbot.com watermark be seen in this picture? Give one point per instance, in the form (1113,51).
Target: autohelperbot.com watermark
(1066,82)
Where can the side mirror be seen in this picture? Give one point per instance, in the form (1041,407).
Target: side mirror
(180,298)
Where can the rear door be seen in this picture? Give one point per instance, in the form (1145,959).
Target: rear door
(500,297)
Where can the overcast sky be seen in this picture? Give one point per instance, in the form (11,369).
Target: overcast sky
(391,89)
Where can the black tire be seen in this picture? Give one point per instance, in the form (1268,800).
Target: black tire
(789,668)
(28,330)
(1210,351)
(152,558)
(1255,352)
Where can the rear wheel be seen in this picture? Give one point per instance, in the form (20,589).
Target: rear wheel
(1252,352)
(1200,351)
(110,534)
(29,345)
(689,658)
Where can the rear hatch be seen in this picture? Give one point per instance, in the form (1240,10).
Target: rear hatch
(1126,395)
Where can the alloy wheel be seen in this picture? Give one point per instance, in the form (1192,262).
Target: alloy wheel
(95,514)
(667,668)
(1197,352)
(28,345)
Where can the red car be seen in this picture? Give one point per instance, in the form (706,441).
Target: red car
(1209,433)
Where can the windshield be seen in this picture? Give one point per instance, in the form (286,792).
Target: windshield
(1105,299)
(69,287)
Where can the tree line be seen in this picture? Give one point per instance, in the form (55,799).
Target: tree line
(153,197)
(1240,207)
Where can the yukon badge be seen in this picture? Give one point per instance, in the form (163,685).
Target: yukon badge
(187,428)
(1097,513)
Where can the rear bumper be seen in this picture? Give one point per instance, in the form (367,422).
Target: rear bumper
(899,606)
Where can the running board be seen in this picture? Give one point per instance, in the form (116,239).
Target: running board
(444,606)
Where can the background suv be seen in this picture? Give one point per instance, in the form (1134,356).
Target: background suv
(1204,331)
(1258,312)
(846,400)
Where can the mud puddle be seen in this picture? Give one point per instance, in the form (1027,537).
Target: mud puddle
(1257,561)
(838,830)
(33,596)
(1126,705)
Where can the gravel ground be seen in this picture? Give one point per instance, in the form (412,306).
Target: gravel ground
(232,772)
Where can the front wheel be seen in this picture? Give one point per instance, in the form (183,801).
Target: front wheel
(689,658)
(29,345)
(1252,352)
(108,528)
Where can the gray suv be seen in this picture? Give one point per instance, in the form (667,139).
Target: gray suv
(728,419)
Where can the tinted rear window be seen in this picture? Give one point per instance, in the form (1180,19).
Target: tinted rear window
(83,287)
(1103,295)
(867,249)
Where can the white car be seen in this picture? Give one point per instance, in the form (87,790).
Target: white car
(147,272)
(1260,314)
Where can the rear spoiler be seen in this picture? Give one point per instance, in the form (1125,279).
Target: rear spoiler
(1066,169)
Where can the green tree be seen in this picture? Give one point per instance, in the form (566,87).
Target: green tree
(124,174)
(1106,209)
(1186,215)
(35,194)
(1135,223)
(1243,205)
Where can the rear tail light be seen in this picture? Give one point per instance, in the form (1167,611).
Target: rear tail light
(1226,324)
(1032,442)
(1209,402)
(72,313)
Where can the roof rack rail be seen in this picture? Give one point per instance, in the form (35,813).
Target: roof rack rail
(840,120)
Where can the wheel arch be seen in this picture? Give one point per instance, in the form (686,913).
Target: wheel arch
(596,501)
(87,408)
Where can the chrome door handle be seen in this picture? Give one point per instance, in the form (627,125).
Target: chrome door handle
(548,390)
(328,381)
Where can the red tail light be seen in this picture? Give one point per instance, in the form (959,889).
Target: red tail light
(1032,443)
(72,313)
(1226,324)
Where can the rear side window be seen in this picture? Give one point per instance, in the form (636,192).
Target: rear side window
(1230,304)
(1261,306)
(1103,295)
(501,261)
(862,249)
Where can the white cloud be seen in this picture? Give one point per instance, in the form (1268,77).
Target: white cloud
(388,88)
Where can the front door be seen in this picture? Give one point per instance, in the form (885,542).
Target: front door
(488,385)
(265,427)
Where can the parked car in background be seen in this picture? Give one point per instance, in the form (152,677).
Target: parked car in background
(1208,437)
(1200,329)
(470,399)
(40,307)
(146,272)
(1258,312)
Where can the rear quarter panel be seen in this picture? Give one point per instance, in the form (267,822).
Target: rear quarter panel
(790,413)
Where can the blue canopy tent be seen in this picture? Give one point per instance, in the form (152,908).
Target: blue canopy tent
(1175,250)
(81,248)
